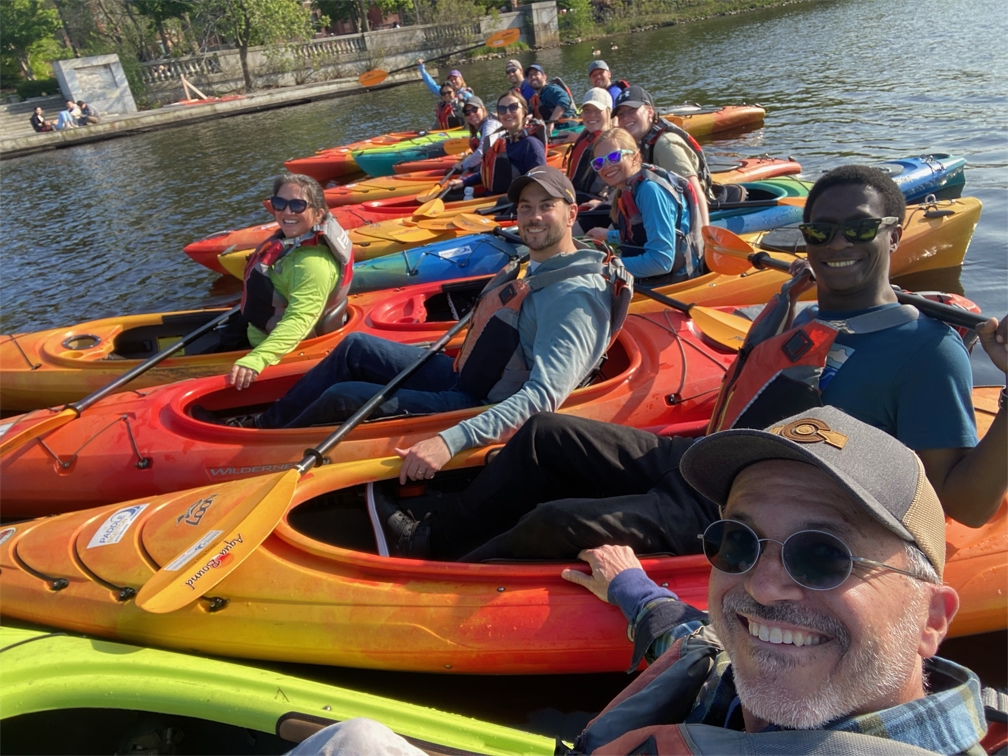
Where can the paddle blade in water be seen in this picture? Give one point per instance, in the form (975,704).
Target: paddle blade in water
(22,436)
(503,38)
(214,556)
(430,209)
(372,78)
(724,252)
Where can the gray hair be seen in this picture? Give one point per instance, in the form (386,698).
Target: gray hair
(311,190)
(918,565)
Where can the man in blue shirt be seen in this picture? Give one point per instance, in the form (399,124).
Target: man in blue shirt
(516,77)
(600,76)
(550,102)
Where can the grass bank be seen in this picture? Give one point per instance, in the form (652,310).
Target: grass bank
(582,20)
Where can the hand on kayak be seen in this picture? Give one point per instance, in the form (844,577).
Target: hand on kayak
(606,563)
(242,377)
(994,337)
(422,460)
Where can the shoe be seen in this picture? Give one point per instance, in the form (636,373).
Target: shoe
(240,421)
(407,536)
(204,415)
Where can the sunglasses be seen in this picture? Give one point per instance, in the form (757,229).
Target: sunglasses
(860,230)
(611,159)
(469,111)
(296,205)
(813,559)
(512,108)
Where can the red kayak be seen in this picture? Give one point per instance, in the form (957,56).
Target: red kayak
(206,250)
(338,162)
(660,372)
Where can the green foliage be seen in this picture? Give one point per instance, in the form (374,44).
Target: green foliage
(162,10)
(27,28)
(37,88)
(576,18)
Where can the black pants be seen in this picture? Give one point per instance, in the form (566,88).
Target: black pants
(563,484)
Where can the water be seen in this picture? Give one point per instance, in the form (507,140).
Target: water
(98,230)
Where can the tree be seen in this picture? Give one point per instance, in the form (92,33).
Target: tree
(160,11)
(255,22)
(26,25)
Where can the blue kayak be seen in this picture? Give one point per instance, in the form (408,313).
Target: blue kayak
(940,174)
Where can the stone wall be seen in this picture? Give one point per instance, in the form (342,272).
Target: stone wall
(98,80)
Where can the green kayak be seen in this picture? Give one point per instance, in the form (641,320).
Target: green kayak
(203,701)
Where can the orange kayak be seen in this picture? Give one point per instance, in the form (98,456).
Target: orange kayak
(315,591)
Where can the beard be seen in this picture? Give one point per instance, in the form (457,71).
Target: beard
(875,669)
(551,238)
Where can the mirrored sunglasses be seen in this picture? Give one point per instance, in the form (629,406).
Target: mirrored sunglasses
(611,159)
(855,231)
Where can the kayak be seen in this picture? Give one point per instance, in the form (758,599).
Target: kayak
(336,162)
(940,174)
(145,443)
(315,591)
(53,367)
(205,251)
(202,698)
(709,121)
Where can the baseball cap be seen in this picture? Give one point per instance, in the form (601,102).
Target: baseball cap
(455,72)
(553,180)
(513,65)
(598,97)
(882,475)
(598,64)
(474,100)
(634,96)
(534,67)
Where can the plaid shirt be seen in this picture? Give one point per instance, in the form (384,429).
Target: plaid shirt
(949,720)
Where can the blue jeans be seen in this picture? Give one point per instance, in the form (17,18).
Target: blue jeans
(355,371)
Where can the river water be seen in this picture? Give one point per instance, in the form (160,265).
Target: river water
(98,230)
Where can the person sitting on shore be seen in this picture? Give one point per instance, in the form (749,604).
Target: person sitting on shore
(67,119)
(825,612)
(515,152)
(600,76)
(896,369)
(664,144)
(88,115)
(654,211)
(39,122)
(484,130)
(516,78)
(296,282)
(563,328)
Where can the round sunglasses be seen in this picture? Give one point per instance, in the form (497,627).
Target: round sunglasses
(296,205)
(814,559)
(509,108)
(855,231)
(611,159)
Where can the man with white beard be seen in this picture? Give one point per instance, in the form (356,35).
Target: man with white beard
(826,607)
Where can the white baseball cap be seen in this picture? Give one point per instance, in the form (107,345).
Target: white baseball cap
(598,97)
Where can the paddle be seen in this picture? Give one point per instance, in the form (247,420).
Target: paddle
(604,210)
(232,540)
(72,411)
(725,252)
(499,39)
(723,328)
(436,192)
(430,209)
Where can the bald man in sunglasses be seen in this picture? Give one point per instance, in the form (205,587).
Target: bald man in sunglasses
(825,607)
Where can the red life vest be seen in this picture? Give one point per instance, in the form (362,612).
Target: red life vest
(659,128)
(445,114)
(497,171)
(577,165)
(490,363)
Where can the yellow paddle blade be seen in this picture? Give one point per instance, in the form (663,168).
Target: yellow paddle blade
(433,193)
(503,38)
(724,252)
(23,436)
(474,224)
(214,556)
(430,209)
(455,146)
(413,235)
(437,224)
(372,78)
(234,261)
(723,328)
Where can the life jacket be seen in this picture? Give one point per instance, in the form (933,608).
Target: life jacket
(776,372)
(536,100)
(490,363)
(446,115)
(497,170)
(689,243)
(659,128)
(263,306)
(577,164)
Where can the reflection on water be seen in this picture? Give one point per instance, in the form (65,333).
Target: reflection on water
(99,229)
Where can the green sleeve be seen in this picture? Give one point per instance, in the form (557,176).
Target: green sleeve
(305,280)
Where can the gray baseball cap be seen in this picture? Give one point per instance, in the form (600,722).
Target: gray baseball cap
(885,477)
(598,64)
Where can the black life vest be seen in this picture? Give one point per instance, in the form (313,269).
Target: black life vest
(659,128)
(490,363)
(577,164)
(263,307)
(536,100)
(630,222)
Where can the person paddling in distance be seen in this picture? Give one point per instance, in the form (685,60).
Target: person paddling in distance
(664,144)
(902,372)
(654,211)
(563,327)
(516,152)
(295,282)
(484,130)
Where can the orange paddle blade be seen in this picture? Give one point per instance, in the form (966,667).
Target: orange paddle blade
(474,224)
(433,193)
(724,252)
(503,38)
(23,436)
(455,146)
(430,209)
(372,78)
(214,556)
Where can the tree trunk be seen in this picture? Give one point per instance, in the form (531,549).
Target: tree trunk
(67,38)
(243,55)
(244,39)
(164,37)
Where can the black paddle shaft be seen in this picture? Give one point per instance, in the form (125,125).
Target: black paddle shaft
(439,57)
(952,315)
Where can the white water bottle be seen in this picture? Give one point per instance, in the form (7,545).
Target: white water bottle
(469,191)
